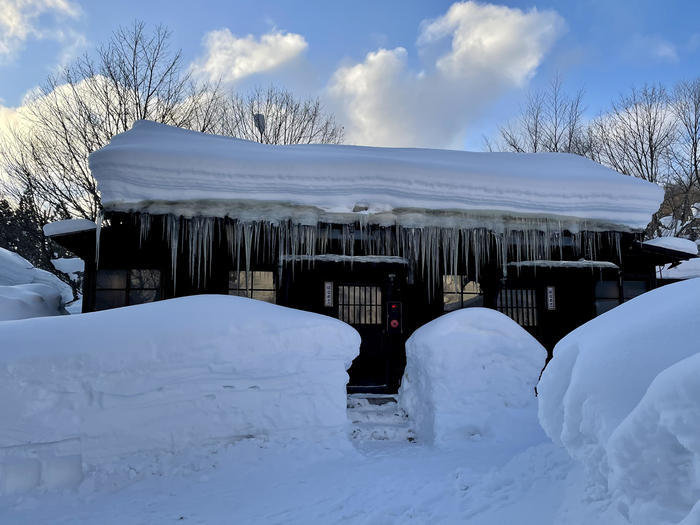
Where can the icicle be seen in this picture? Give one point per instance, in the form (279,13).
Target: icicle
(144,227)
(98,230)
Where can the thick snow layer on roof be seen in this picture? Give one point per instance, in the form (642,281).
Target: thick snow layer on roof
(674,243)
(68,226)
(470,374)
(162,169)
(621,395)
(160,377)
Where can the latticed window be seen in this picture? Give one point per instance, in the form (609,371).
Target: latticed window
(360,305)
(459,292)
(519,304)
(254,284)
(114,288)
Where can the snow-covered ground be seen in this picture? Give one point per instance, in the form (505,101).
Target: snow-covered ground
(621,395)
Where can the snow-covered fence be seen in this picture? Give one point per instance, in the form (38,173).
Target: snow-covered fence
(470,374)
(80,391)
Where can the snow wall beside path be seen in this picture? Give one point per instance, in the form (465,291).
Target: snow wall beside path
(622,395)
(470,374)
(80,391)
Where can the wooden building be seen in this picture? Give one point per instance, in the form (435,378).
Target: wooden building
(384,239)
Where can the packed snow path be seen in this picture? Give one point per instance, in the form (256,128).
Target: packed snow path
(378,417)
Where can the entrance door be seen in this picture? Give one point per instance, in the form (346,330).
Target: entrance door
(359,294)
(361,305)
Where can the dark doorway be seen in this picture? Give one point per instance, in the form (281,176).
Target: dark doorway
(360,294)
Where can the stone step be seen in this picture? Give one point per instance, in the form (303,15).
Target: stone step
(365,432)
(378,417)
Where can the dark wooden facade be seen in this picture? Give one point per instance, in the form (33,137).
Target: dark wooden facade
(385,297)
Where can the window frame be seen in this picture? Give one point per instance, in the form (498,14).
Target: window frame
(460,292)
(128,288)
(251,291)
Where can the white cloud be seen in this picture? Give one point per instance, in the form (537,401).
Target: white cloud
(651,46)
(20,21)
(472,54)
(232,58)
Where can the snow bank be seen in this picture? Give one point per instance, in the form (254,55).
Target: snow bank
(469,373)
(26,291)
(162,169)
(81,391)
(621,395)
(71,266)
(674,243)
(23,301)
(685,270)
(654,454)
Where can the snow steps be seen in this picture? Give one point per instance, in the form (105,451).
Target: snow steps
(378,417)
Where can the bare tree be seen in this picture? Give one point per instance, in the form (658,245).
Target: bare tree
(551,120)
(288,119)
(134,76)
(635,137)
(682,200)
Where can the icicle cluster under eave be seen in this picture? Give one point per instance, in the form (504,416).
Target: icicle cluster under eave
(432,250)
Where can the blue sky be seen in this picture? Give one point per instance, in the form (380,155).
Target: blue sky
(395,72)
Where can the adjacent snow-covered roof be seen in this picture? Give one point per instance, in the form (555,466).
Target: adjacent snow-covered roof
(674,243)
(161,169)
(68,226)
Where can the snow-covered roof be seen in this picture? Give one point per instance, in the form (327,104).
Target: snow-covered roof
(674,243)
(68,226)
(161,169)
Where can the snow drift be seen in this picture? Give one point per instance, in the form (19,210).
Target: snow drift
(80,391)
(160,169)
(622,396)
(470,373)
(26,291)
(23,301)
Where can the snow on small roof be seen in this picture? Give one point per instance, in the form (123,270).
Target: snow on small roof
(674,243)
(161,169)
(347,258)
(565,264)
(68,226)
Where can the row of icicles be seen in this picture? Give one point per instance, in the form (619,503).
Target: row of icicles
(433,251)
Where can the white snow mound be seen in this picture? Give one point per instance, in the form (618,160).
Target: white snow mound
(49,298)
(470,373)
(23,301)
(80,391)
(162,169)
(622,395)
